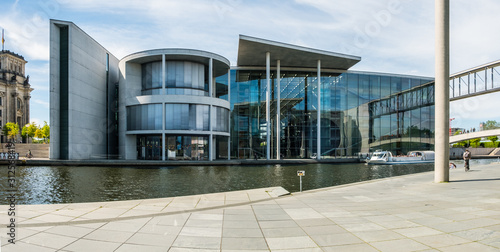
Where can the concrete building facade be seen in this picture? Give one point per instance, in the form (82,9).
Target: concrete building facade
(83,79)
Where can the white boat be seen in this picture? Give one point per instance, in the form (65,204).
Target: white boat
(413,157)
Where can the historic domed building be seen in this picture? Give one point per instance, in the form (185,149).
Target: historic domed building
(15,90)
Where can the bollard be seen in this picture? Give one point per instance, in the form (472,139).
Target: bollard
(301,174)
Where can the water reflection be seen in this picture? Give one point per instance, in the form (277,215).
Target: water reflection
(48,185)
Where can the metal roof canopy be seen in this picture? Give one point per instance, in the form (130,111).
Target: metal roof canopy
(252,52)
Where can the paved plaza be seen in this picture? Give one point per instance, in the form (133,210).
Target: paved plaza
(407,213)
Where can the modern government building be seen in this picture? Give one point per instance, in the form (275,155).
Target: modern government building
(280,101)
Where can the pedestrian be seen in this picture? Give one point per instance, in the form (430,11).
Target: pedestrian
(467,157)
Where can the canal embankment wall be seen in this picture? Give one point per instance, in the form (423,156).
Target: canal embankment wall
(37,150)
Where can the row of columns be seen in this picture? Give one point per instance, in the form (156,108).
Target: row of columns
(278,108)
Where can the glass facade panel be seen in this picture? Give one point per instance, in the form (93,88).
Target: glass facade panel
(149,147)
(221,87)
(144,117)
(151,78)
(186,78)
(221,119)
(186,117)
(186,147)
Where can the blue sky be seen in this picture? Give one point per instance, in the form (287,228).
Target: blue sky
(394,36)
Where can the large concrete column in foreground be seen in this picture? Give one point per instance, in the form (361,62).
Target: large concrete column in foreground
(442,96)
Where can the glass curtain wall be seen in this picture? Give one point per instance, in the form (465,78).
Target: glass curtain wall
(298,117)
(248,116)
(187,117)
(151,78)
(144,117)
(186,147)
(186,78)
(410,117)
(360,112)
(149,147)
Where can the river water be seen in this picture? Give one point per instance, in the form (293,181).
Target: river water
(63,184)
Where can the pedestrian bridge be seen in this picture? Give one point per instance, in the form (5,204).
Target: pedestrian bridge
(473,135)
(476,81)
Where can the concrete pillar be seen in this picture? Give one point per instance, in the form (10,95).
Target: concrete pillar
(211,136)
(164,92)
(318,147)
(268,105)
(441,98)
(211,111)
(163,140)
(163,77)
(210,77)
(278,112)
(229,116)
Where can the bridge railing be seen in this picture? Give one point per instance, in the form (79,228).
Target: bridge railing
(475,81)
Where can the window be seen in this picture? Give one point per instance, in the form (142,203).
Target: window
(144,117)
(186,117)
(0,101)
(151,78)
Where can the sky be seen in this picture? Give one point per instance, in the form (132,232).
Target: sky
(391,36)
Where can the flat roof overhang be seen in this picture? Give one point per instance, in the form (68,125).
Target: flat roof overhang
(252,52)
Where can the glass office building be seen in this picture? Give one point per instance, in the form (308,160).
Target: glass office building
(279,101)
(360,112)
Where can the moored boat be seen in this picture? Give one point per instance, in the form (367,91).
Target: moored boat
(413,157)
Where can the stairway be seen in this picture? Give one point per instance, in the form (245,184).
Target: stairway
(495,152)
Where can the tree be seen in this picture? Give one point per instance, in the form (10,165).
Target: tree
(11,130)
(46,131)
(491,124)
(475,142)
(38,133)
(29,130)
(493,139)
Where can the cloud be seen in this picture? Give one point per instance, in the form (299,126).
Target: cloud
(45,104)
(25,32)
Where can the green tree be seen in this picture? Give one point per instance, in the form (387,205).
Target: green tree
(493,139)
(46,131)
(11,130)
(475,142)
(29,130)
(491,124)
(38,133)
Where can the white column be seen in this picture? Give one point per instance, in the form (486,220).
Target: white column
(211,136)
(164,92)
(278,107)
(318,144)
(441,98)
(210,113)
(210,77)
(163,132)
(268,106)
(229,116)
(163,77)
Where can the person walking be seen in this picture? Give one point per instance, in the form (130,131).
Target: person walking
(466,160)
